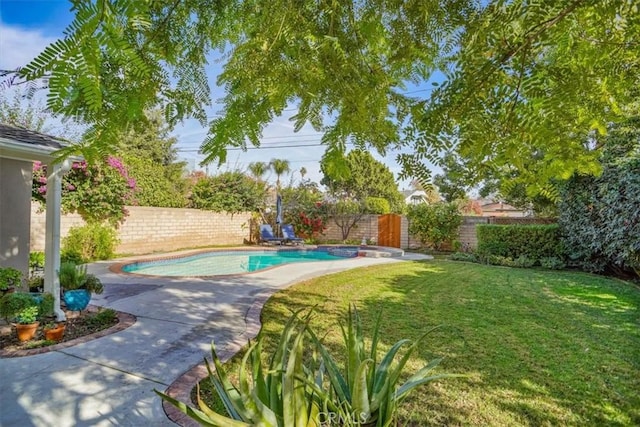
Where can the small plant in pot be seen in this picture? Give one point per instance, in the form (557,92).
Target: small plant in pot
(22,309)
(78,285)
(10,278)
(53,331)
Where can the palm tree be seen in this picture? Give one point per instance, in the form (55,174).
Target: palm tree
(279,166)
(303,172)
(258,169)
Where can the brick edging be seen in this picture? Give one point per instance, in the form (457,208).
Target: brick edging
(181,388)
(125,320)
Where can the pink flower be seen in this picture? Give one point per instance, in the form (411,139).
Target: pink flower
(131,183)
(42,190)
(116,163)
(71,187)
(42,180)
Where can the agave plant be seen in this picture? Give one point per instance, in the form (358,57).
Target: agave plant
(280,395)
(367,390)
(290,393)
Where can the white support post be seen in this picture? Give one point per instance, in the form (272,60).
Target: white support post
(52,236)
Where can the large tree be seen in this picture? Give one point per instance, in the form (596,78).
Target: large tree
(455,181)
(523,82)
(151,158)
(366,177)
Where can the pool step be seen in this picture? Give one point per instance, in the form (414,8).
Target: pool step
(368,251)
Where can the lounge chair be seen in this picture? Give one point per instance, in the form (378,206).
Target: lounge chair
(290,236)
(267,236)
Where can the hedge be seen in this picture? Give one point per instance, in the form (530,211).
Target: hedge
(513,241)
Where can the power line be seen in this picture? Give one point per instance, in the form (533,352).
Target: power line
(262,147)
(272,137)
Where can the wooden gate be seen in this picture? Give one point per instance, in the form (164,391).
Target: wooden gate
(389,230)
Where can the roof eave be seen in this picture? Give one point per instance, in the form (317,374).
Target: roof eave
(18,151)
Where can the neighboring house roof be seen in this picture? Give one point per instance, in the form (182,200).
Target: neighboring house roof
(20,143)
(499,207)
(413,197)
(493,208)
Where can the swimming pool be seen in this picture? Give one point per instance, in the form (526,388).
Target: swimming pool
(229,262)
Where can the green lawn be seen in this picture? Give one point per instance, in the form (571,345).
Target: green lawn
(539,347)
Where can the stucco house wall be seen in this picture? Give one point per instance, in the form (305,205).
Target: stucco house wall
(15,213)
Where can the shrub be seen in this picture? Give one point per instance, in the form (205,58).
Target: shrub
(464,256)
(434,225)
(46,306)
(90,242)
(513,241)
(104,318)
(36,283)
(309,225)
(501,260)
(599,215)
(9,277)
(377,205)
(71,257)
(36,260)
(98,191)
(231,192)
(153,186)
(18,304)
(524,261)
(552,263)
(74,277)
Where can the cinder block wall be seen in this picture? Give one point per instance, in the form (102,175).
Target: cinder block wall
(467,234)
(151,229)
(38,226)
(367,227)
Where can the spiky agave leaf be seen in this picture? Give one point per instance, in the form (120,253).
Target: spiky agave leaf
(209,418)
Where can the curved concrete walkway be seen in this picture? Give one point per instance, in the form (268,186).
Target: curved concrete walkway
(110,381)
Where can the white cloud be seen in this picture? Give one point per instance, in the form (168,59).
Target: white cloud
(19,46)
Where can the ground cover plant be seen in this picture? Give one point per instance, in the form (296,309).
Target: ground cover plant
(538,347)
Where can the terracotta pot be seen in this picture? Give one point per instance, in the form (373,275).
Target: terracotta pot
(55,334)
(26,332)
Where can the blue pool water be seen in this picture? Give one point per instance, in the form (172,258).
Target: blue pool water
(227,262)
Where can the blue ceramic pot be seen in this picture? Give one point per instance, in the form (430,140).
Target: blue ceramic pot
(77,299)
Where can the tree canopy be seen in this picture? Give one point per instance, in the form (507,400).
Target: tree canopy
(519,84)
(367,177)
(151,159)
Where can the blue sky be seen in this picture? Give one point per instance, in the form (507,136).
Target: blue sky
(28,26)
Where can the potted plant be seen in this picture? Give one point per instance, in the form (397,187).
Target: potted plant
(23,309)
(78,285)
(10,278)
(53,331)
(27,323)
